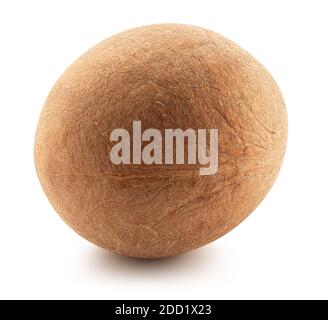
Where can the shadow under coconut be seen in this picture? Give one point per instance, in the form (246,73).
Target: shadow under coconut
(198,262)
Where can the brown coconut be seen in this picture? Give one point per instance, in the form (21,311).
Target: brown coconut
(166,76)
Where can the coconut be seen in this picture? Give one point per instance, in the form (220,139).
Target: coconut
(164,77)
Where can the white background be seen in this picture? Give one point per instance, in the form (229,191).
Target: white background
(280,251)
